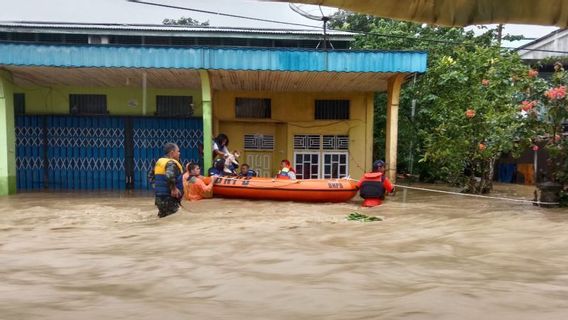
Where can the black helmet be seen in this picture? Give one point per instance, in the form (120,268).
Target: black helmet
(377,164)
(219,163)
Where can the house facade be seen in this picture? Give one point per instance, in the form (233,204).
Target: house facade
(89,106)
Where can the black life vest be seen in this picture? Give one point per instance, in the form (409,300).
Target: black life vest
(373,189)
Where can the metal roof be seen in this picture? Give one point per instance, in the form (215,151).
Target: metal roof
(109,56)
(165,30)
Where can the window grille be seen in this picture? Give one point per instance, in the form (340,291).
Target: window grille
(259,142)
(253,108)
(335,142)
(174,106)
(311,142)
(87,104)
(332,110)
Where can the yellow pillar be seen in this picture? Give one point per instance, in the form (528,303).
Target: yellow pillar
(7,136)
(370,124)
(207,118)
(394,85)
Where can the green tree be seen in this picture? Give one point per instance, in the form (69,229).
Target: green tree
(472,102)
(183,21)
(451,147)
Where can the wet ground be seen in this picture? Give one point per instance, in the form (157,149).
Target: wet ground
(435,256)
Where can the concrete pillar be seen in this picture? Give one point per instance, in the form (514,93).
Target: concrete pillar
(369,136)
(394,85)
(207,118)
(7,136)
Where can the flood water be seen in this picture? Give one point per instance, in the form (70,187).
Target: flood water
(435,256)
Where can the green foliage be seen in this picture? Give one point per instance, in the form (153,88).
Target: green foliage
(554,113)
(356,216)
(465,71)
(183,21)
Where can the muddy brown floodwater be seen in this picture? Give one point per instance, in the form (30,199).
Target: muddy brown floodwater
(435,256)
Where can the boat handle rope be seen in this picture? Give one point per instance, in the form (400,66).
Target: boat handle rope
(471,195)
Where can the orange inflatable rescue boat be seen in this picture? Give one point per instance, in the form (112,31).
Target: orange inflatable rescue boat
(309,190)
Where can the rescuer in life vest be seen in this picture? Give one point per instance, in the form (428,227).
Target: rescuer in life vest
(286,171)
(374,185)
(168,181)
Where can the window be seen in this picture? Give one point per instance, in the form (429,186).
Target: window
(253,108)
(174,106)
(332,110)
(87,104)
(259,142)
(321,156)
(19,103)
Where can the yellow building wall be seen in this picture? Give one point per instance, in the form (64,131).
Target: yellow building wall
(293,114)
(55,100)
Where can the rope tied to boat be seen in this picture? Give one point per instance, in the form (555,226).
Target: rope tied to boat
(471,195)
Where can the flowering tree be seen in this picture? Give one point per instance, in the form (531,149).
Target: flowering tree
(554,114)
(470,100)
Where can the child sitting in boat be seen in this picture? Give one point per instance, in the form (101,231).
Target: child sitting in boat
(195,186)
(218,168)
(246,172)
(286,171)
(374,185)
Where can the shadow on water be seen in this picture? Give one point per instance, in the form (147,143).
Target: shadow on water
(435,256)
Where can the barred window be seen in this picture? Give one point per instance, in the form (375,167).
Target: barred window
(174,106)
(332,110)
(253,108)
(88,104)
(259,142)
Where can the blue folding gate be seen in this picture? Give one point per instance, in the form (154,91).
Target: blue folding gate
(97,153)
(149,137)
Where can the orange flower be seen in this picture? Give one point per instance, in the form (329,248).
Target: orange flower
(533,73)
(557,93)
(482,147)
(528,105)
(485,82)
(470,113)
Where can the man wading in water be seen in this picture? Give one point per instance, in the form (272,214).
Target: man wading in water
(167,176)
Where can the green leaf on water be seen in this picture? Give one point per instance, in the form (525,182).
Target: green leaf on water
(356,216)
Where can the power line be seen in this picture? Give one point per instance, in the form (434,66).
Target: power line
(223,14)
(344,30)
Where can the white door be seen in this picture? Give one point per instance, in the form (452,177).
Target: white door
(307,165)
(261,162)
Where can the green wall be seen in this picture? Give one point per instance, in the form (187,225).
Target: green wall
(55,100)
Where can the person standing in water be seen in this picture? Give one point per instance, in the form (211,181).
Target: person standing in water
(194,185)
(374,185)
(168,188)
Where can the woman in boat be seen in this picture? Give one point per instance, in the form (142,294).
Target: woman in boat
(220,146)
(194,186)
(374,185)
(286,171)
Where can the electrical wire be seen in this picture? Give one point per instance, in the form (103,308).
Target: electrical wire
(218,13)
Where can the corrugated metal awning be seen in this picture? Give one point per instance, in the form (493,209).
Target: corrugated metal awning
(252,59)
